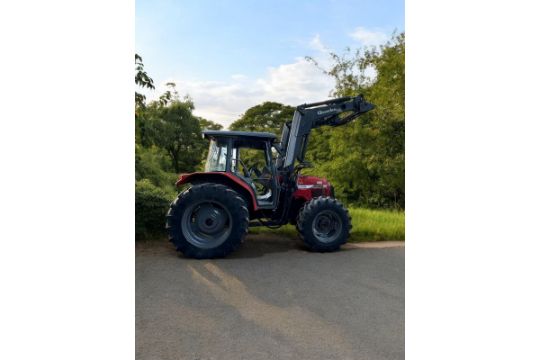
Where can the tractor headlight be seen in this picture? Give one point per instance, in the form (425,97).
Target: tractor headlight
(310,186)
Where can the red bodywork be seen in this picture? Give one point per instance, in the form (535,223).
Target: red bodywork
(309,187)
(206,176)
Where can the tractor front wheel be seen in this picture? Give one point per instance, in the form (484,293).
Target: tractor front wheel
(324,224)
(207,221)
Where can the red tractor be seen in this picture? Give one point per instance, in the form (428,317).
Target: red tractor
(251,179)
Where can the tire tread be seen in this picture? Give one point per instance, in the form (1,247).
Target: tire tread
(307,214)
(237,207)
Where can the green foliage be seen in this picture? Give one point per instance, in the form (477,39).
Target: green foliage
(153,164)
(268,117)
(143,80)
(167,136)
(208,125)
(175,129)
(154,174)
(368,225)
(365,159)
(151,205)
(377,225)
(265,117)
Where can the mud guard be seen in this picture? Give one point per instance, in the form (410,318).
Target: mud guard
(221,177)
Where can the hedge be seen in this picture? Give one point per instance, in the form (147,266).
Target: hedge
(151,206)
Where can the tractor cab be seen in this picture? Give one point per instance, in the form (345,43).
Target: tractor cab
(248,156)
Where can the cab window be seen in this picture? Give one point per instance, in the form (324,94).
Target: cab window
(217,157)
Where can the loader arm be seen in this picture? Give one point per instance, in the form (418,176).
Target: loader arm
(295,134)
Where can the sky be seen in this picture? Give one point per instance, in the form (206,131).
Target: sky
(230,55)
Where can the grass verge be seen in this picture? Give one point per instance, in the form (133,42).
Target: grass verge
(368,225)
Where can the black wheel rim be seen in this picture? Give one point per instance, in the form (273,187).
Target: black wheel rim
(327,226)
(206,224)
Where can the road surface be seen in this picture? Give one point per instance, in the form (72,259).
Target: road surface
(271,299)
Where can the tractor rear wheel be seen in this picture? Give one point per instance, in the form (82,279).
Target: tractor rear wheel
(324,224)
(207,221)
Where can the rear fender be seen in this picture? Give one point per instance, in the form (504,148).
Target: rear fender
(224,178)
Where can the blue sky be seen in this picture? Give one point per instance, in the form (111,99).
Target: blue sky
(230,55)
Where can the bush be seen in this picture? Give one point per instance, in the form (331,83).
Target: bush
(152,163)
(151,205)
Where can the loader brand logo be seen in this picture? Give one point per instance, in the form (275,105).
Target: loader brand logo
(322,112)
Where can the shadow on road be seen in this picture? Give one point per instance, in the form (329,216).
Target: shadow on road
(255,245)
(270,299)
(258,245)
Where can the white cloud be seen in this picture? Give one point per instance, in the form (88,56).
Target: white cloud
(225,101)
(316,44)
(239,77)
(296,83)
(369,37)
(292,84)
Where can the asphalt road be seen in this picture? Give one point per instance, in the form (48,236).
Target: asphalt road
(270,300)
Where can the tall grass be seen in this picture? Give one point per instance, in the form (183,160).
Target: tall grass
(368,225)
(377,225)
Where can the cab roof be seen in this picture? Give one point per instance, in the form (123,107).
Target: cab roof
(245,135)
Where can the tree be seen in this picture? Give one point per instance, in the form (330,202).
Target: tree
(209,125)
(367,156)
(142,80)
(174,128)
(168,126)
(153,163)
(268,116)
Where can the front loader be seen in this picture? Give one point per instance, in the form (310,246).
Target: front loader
(251,179)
